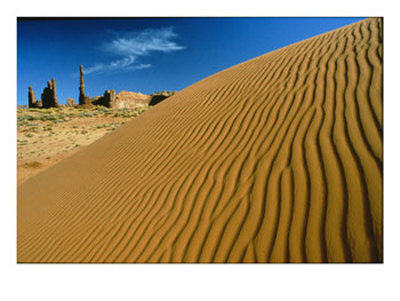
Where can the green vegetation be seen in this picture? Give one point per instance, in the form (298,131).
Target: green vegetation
(57,115)
(44,134)
(86,114)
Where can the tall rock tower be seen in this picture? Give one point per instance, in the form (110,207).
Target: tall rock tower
(54,100)
(82,96)
(47,95)
(31,98)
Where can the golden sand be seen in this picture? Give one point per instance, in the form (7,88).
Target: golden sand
(278,159)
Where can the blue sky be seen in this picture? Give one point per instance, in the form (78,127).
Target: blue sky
(147,54)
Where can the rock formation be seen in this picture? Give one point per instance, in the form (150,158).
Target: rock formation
(81,86)
(83,99)
(55,100)
(160,96)
(130,100)
(122,100)
(71,102)
(49,95)
(109,98)
(32,98)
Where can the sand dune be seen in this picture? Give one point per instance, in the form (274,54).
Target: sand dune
(277,159)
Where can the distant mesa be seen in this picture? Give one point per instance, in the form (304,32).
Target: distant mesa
(110,99)
(122,100)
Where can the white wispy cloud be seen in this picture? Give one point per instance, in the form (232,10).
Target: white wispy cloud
(129,46)
(124,64)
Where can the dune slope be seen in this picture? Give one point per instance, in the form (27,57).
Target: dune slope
(278,159)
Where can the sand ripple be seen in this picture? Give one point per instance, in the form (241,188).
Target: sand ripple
(278,159)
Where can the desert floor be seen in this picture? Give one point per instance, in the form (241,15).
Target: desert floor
(47,136)
(277,159)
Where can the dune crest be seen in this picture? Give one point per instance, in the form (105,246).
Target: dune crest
(277,159)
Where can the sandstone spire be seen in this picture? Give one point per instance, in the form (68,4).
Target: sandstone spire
(54,100)
(82,95)
(49,97)
(31,98)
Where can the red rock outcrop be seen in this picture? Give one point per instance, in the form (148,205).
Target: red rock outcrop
(126,99)
(32,98)
(71,102)
(49,95)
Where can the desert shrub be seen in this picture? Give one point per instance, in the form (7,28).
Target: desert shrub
(33,164)
(22,142)
(46,117)
(22,123)
(35,110)
(101,108)
(56,118)
(26,117)
(126,113)
(43,111)
(49,110)
(86,114)
(71,115)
